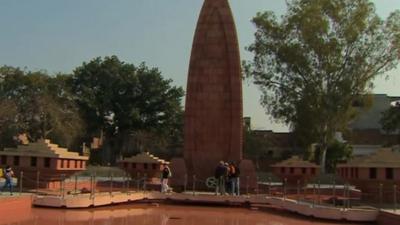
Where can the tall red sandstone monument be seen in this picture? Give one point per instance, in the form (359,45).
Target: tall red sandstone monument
(214,109)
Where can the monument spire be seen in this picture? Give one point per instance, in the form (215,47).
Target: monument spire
(214,109)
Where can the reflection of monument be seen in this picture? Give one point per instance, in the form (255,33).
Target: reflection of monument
(213,114)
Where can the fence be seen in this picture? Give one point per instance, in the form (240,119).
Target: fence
(339,195)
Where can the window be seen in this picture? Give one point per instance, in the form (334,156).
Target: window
(133,165)
(389,173)
(313,171)
(16,160)
(303,170)
(145,166)
(3,159)
(372,173)
(46,162)
(68,163)
(356,169)
(125,165)
(154,166)
(33,161)
(291,170)
(283,170)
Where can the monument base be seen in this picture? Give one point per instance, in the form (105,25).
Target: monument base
(248,176)
(179,174)
(182,178)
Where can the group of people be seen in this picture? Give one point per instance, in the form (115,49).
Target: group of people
(227,176)
(7,174)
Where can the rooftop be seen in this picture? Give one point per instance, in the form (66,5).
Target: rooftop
(144,157)
(385,157)
(42,148)
(296,161)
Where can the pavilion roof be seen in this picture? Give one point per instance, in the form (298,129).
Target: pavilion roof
(42,148)
(385,157)
(295,161)
(144,157)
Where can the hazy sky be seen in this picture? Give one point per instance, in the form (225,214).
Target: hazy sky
(58,35)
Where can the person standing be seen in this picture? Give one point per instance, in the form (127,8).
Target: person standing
(166,173)
(219,175)
(8,175)
(228,173)
(235,182)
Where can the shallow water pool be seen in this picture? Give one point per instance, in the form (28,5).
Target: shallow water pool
(154,214)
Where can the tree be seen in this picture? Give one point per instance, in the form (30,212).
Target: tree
(391,118)
(256,147)
(337,152)
(317,59)
(126,102)
(38,105)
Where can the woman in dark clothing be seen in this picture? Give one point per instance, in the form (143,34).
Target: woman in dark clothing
(166,173)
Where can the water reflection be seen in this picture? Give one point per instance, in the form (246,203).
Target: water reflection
(159,215)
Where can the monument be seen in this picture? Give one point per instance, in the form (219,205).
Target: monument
(214,110)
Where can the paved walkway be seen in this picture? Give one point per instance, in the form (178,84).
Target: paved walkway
(6,195)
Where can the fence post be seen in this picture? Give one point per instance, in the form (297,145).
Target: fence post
(319,192)
(194,185)
(62,186)
(111,184)
(284,188)
(123,182)
(380,195)
(314,193)
(247,184)
(144,182)
(345,196)
(185,183)
(91,186)
(94,185)
(128,180)
(269,186)
(349,196)
(37,181)
(298,191)
(395,197)
(21,177)
(76,184)
(258,187)
(334,192)
(137,181)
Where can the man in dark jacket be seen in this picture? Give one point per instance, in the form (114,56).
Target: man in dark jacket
(220,175)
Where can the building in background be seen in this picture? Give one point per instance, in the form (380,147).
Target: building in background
(366,134)
(295,170)
(42,163)
(374,174)
(143,165)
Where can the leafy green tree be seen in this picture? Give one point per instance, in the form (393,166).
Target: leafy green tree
(317,59)
(126,102)
(38,105)
(337,152)
(256,148)
(391,118)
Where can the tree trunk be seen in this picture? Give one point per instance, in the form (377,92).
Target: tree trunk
(324,149)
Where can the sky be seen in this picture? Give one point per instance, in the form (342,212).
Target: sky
(59,35)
